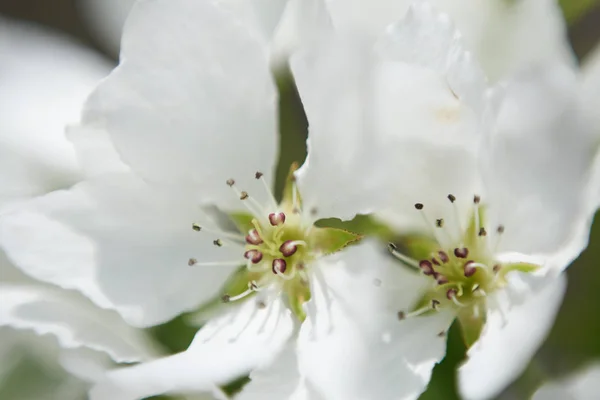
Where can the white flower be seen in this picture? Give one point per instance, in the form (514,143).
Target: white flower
(180,136)
(43,84)
(505,36)
(581,385)
(491,195)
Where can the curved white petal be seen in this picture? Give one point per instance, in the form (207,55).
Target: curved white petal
(582,385)
(352,345)
(72,319)
(32,367)
(279,380)
(226,348)
(44,80)
(537,161)
(506,346)
(193,103)
(505,36)
(121,243)
(390,126)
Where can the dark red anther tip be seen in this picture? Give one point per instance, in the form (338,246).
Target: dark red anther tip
(253,255)
(288,248)
(469,269)
(443,256)
(253,237)
(280,265)
(451,293)
(461,252)
(277,218)
(426,267)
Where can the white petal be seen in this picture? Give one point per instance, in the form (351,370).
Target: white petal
(536,163)
(582,385)
(224,349)
(506,347)
(352,345)
(72,319)
(31,368)
(279,380)
(122,244)
(388,129)
(505,37)
(303,23)
(186,109)
(43,82)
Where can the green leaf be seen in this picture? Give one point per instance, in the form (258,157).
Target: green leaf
(575,9)
(331,240)
(365,225)
(471,325)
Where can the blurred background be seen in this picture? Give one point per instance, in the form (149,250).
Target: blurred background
(575,338)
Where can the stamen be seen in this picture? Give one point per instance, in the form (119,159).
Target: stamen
(452,199)
(461,252)
(279,265)
(218,242)
(476,201)
(469,269)
(256,210)
(260,176)
(433,306)
(441,279)
(254,256)
(443,257)
(222,234)
(214,264)
(253,237)
(420,208)
(482,232)
(277,218)
(499,231)
(405,259)
(439,223)
(426,267)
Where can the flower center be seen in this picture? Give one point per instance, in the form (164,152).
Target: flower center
(464,268)
(278,245)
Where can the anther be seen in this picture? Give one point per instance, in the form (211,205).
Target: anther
(261,305)
(277,218)
(451,293)
(258,175)
(419,206)
(469,269)
(392,247)
(441,279)
(434,304)
(482,231)
(476,199)
(435,261)
(288,248)
(426,267)
(439,223)
(244,195)
(442,334)
(253,237)
(500,229)
(279,265)
(196,227)
(443,256)
(461,252)
(218,242)
(254,256)
(496,268)
(452,198)
(230,182)
(225,298)
(401,315)
(192,262)
(313,211)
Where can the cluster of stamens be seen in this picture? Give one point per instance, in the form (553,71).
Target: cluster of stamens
(463,273)
(274,248)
